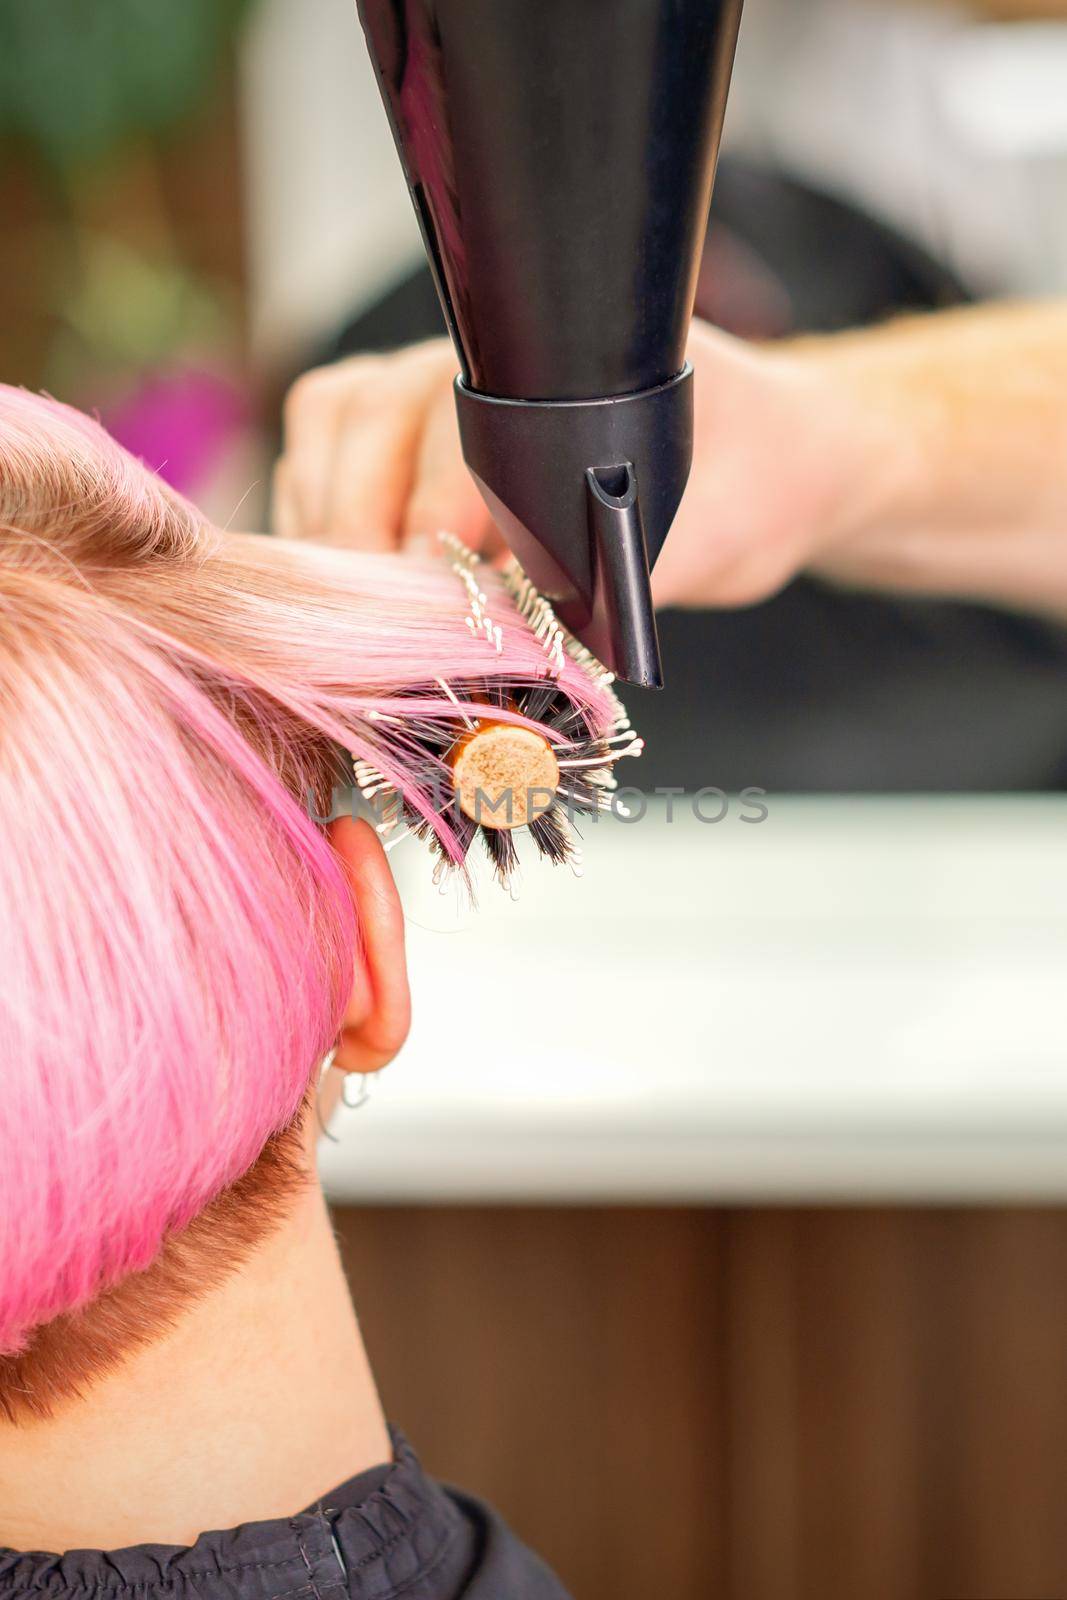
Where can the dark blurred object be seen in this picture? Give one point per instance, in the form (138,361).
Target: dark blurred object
(820,690)
(781,257)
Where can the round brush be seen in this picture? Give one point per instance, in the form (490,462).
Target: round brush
(493,755)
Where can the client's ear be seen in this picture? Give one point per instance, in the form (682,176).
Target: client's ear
(378,1015)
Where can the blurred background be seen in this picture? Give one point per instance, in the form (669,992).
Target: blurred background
(764,1293)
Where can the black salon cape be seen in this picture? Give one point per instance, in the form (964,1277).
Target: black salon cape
(388,1533)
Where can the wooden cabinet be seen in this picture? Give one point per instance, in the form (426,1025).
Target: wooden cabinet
(747,1404)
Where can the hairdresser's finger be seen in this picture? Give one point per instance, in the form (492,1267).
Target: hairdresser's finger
(378,1015)
(372,472)
(443,494)
(374,468)
(328,405)
(284,520)
(312,414)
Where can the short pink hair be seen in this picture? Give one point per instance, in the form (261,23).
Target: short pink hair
(176,939)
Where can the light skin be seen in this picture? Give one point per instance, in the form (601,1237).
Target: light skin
(928,456)
(261,1399)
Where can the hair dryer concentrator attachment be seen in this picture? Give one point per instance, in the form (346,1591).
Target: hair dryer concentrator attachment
(585,492)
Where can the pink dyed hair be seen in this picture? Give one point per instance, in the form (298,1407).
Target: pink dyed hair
(176,939)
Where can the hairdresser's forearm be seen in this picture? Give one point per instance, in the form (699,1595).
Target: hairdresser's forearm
(961,422)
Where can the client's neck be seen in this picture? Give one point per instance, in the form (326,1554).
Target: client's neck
(259,1402)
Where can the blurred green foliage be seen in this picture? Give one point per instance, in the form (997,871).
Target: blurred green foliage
(125,311)
(80,77)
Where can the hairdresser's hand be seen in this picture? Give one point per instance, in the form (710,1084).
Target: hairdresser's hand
(928,456)
(372,460)
(371,455)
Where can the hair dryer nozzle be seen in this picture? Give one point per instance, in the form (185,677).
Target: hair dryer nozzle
(585,492)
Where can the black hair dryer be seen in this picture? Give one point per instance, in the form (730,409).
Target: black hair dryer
(560,155)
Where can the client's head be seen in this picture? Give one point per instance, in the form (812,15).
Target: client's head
(181,940)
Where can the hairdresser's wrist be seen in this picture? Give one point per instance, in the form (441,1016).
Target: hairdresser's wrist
(879,478)
(787,462)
